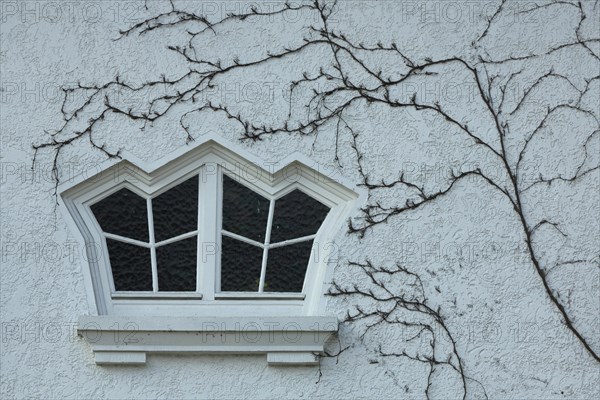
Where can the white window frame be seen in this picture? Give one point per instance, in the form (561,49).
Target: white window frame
(210,158)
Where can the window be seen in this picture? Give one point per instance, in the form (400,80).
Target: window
(209,234)
(153,242)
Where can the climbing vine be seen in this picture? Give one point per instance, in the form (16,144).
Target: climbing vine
(348,80)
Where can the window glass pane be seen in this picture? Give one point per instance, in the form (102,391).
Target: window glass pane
(123,213)
(131,266)
(240,266)
(286,267)
(244,211)
(297,215)
(176,265)
(176,211)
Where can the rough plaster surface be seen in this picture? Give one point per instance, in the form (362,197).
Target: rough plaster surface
(509,335)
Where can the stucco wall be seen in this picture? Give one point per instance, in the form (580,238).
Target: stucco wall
(509,335)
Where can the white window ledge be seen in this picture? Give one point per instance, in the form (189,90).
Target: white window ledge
(285,340)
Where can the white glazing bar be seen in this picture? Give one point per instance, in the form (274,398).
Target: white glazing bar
(152,246)
(177,238)
(263,268)
(242,238)
(292,241)
(126,240)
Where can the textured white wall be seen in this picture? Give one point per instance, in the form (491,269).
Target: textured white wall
(510,337)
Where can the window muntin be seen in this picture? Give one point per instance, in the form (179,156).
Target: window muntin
(152,242)
(167,261)
(286,227)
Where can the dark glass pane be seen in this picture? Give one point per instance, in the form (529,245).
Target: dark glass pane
(286,267)
(176,211)
(123,213)
(176,265)
(240,266)
(244,211)
(131,266)
(296,215)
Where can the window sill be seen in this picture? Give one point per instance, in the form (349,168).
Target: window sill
(285,340)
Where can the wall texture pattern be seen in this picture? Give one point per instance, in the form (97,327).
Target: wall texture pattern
(472,270)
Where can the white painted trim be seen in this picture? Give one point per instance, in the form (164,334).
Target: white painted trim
(120,357)
(265,257)
(203,308)
(285,340)
(199,247)
(176,238)
(292,358)
(156,296)
(152,245)
(208,140)
(208,158)
(242,238)
(126,240)
(208,228)
(292,241)
(259,296)
(218,239)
